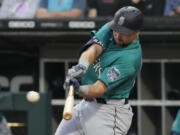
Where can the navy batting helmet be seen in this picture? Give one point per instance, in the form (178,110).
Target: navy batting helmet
(127,20)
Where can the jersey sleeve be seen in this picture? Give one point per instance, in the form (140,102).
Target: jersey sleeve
(117,76)
(100,37)
(94,40)
(103,35)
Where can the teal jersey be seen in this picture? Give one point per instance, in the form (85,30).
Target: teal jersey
(176,124)
(117,66)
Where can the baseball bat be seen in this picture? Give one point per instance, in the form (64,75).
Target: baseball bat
(69,103)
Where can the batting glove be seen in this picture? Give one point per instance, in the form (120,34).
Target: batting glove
(76,71)
(71,81)
(79,69)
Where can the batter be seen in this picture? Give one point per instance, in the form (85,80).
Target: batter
(108,65)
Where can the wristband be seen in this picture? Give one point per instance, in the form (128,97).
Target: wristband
(84,62)
(84,89)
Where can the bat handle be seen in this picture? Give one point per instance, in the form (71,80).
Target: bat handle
(71,91)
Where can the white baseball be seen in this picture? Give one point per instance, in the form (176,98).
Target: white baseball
(33,96)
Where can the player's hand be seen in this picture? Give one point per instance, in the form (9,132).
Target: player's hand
(76,71)
(71,81)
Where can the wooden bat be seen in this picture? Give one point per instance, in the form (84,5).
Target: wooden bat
(69,103)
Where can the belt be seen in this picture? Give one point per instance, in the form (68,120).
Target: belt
(104,101)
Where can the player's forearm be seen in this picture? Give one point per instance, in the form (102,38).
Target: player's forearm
(93,91)
(91,53)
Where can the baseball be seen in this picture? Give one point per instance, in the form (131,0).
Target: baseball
(33,96)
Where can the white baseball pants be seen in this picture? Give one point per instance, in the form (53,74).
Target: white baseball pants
(92,118)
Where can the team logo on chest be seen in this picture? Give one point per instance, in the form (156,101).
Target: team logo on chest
(113,74)
(97,67)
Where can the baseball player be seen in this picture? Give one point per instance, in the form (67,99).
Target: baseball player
(108,66)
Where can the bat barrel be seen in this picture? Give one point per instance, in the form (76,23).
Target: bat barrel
(67,116)
(69,104)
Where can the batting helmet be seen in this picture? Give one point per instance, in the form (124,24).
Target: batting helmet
(127,20)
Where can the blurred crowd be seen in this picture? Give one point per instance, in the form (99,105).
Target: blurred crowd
(19,9)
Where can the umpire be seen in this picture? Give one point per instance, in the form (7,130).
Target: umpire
(108,66)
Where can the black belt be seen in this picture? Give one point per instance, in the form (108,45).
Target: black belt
(103,101)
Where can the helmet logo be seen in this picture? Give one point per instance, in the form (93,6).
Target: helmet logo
(121,20)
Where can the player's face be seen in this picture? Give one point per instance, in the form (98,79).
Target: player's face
(121,39)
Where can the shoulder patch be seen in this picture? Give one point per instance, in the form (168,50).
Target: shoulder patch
(113,74)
